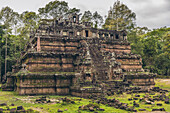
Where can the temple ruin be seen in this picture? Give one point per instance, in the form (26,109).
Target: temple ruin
(67,57)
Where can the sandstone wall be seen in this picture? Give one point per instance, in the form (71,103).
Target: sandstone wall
(33,84)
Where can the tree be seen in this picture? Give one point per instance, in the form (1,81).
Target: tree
(30,20)
(162,64)
(153,46)
(73,10)
(167,44)
(1,41)
(97,19)
(87,17)
(54,10)
(120,17)
(135,37)
(6,18)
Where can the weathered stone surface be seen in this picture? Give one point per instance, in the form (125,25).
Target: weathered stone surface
(13,110)
(20,108)
(142,109)
(59,110)
(3,104)
(159,104)
(66,57)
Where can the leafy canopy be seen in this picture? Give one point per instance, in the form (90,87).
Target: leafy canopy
(120,17)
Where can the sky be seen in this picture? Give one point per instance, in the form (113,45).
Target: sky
(150,13)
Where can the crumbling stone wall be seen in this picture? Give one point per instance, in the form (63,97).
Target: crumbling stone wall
(38,84)
(66,57)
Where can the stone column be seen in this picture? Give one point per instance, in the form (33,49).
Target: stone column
(61,32)
(38,44)
(109,35)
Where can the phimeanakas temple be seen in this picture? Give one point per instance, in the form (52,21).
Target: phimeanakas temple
(66,57)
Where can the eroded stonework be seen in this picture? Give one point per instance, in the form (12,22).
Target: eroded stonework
(66,57)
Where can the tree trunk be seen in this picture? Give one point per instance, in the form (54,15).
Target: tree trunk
(0,67)
(5,58)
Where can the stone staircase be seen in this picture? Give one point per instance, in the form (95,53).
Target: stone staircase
(99,67)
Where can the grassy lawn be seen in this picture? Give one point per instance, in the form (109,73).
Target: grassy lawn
(163,83)
(13,98)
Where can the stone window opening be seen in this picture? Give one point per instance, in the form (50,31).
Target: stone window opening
(117,36)
(74,19)
(71,34)
(87,33)
(111,36)
(64,33)
(100,35)
(106,35)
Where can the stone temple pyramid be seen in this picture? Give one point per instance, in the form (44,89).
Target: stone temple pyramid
(66,57)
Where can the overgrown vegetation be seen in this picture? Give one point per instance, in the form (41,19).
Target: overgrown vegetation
(154,47)
(51,107)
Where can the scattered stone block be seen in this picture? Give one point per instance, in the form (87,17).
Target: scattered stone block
(91,108)
(13,110)
(12,105)
(3,104)
(135,98)
(134,110)
(142,109)
(166,101)
(59,110)
(156,110)
(20,108)
(1,110)
(148,102)
(101,109)
(162,109)
(159,104)
(137,95)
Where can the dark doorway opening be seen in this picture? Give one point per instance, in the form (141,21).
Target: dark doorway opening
(87,33)
(71,34)
(74,19)
(117,36)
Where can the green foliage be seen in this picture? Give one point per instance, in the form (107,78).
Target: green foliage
(96,19)
(8,16)
(56,9)
(87,17)
(154,47)
(120,17)
(73,10)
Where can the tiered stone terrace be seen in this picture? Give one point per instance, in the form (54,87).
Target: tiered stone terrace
(66,57)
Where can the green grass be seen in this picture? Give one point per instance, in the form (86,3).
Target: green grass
(163,83)
(12,98)
(124,99)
